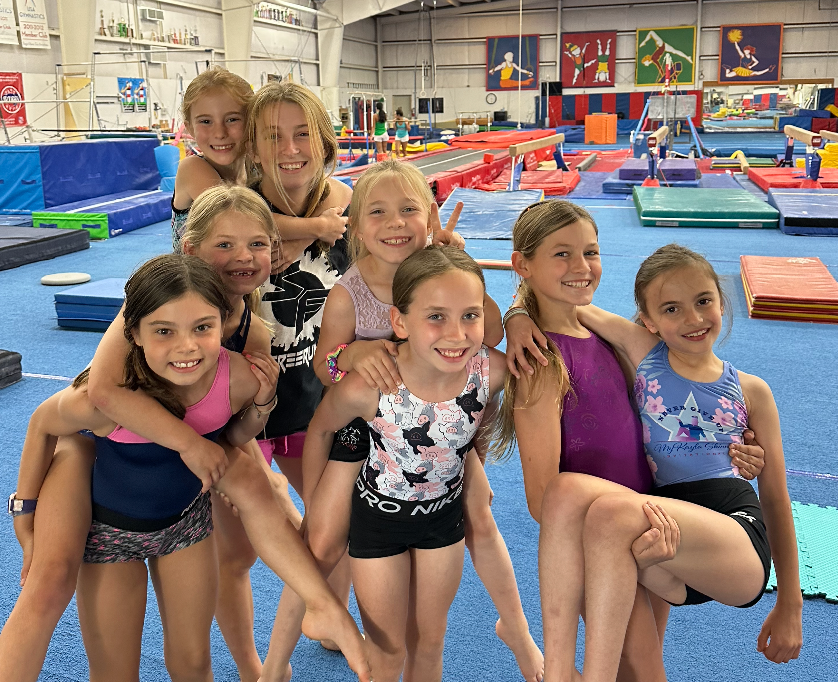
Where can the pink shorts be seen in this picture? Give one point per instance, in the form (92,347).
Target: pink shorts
(284,446)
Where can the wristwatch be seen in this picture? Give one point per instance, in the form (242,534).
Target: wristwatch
(19,507)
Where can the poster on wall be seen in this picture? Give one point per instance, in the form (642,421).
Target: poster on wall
(665,55)
(8,23)
(589,59)
(11,96)
(750,53)
(506,69)
(132,96)
(32,19)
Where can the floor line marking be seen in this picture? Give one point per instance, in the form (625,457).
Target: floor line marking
(46,376)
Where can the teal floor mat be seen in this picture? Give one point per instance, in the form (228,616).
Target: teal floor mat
(817,551)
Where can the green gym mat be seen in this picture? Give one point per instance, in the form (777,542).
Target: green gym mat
(735,165)
(698,207)
(817,550)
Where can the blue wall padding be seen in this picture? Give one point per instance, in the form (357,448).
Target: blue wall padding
(73,171)
(623,105)
(21,188)
(804,122)
(488,215)
(167,185)
(813,113)
(826,96)
(595,104)
(168,158)
(626,126)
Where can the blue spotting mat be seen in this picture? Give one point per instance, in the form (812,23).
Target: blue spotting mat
(817,550)
(81,311)
(21,187)
(590,186)
(613,184)
(718,181)
(125,211)
(806,211)
(488,215)
(103,292)
(73,171)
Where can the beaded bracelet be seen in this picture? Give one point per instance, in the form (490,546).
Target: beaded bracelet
(512,312)
(271,405)
(332,363)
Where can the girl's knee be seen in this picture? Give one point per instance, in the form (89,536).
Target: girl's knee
(615,515)
(52,585)
(191,664)
(325,546)
(480,524)
(238,562)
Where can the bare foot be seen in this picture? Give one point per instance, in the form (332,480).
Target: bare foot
(329,645)
(527,654)
(332,622)
(285,678)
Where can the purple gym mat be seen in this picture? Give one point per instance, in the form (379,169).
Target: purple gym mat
(676,170)
(634,169)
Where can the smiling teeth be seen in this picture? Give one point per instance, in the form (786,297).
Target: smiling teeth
(451,353)
(291,166)
(578,285)
(222,148)
(186,365)
(241,273)
(397,240)
(699,333)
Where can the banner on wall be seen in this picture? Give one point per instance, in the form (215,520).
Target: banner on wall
(665,55)
(32,19)
(506,69)
(11,96)
(750,53)
(132,94)
(589,59)
(8,23)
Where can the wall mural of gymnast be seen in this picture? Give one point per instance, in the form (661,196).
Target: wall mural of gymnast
(589,59)
(665,56)
(750,53)
(505,68)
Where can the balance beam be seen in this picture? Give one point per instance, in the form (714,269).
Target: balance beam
(532,145)
(657,137)
(829,136)
(809,138)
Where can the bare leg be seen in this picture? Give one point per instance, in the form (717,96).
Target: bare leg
(566,502)
(494,567)
(234,603)
(186,586)
(111,600)
(279,545)
(715,557)
(327,530)
(442,568)
(62,522)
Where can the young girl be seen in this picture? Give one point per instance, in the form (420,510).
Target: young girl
(380,134)
(407,525)
(146,503)
(557,257)
(402,136)
(691,403)
(391,214)
(214,107)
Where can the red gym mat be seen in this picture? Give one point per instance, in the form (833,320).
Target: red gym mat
(554,182)
(794,289)
(768,178)
(608,161)
(498,139)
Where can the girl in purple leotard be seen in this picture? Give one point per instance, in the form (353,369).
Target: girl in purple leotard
(595,429)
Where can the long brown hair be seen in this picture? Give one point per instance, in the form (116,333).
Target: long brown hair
(155,283)
(324,145)
(533,226)
(674,257)
(430,262)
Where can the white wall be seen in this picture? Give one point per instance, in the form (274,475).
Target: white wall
(810,44)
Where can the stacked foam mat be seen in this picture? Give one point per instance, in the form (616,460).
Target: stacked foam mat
(92,306)
(806,211)
(22,245)
(10,370)
(792,289)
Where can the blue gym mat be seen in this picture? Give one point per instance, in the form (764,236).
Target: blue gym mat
(590,186)
(718,181)
(806,211)
(613,184)
(91,306)
(488,215)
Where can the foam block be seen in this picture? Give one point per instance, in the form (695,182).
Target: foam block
(768,178)
(678,169)
(107,292)
(680,207)
(634,169)
(806,211)
(22,245)
(10,369)
(797,289)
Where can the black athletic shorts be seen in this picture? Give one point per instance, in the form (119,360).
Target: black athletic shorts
(352,442)
(385,526)
(733,497)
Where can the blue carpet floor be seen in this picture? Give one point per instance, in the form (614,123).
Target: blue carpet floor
(709,642)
